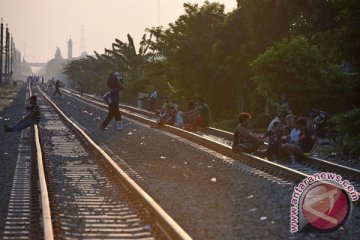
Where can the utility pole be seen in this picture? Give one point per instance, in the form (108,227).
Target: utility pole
(1,49)
(7,54)
(15,58)
(11,57)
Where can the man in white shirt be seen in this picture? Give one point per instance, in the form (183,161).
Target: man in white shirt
(280,119)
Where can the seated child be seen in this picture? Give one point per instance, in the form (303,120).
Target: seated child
(244,140)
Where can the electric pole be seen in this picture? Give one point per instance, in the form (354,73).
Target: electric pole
(1,49)
(7,54)
(11,55)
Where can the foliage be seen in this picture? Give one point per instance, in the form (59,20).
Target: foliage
(296,67)
(346,31)
(265,21)
(345,126)
(92,72)
(187,45)
(239,60)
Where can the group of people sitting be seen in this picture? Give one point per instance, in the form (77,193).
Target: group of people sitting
(196,116)
(287,134)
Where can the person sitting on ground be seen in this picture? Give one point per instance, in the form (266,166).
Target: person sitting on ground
(171,116)
(167,116)
(300,141)
(286,134)
(288,119)
(274,144)
(280,119)
(167,103)
(244,140)
(203,116)
(31,117)
(161,114)
(305,141)
(290,123)
(179,122)
(204,113)
(315,111)
(190,114)
(318,130)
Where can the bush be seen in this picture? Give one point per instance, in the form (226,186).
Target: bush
(297,67)
(347,127)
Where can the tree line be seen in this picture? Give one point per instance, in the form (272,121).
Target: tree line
(239,61)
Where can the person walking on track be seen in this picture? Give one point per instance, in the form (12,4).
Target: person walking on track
(112,99)
(57,85)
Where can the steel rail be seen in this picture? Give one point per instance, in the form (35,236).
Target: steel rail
(305,160)
(249,159)
(169,227)
(45,203)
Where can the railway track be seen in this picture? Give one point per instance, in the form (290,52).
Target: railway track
(220,141)
(84,193)
(28,215)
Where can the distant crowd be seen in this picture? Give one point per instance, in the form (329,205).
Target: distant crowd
(196,115)
(35,79)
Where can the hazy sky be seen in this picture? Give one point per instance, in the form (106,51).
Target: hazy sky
(44,25)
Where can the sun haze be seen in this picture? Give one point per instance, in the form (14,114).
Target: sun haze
(40,26)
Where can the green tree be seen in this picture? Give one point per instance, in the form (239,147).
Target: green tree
(186,47)
(296,67)
(345,125)
(347,31)
(92,71)
(266,21)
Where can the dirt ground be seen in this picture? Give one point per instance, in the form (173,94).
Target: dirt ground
(8,93)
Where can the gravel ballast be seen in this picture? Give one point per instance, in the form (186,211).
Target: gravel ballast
(207,197)
(9,143)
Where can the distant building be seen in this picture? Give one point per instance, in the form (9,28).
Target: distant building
(70,45)
(58,56)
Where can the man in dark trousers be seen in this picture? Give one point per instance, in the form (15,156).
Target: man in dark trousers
(115,85)
(31,117)
(57,85)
